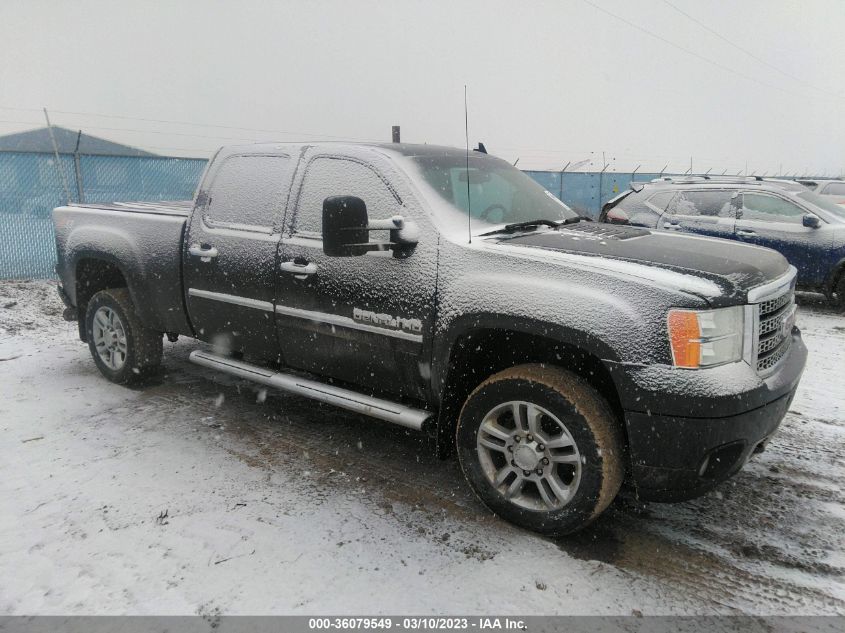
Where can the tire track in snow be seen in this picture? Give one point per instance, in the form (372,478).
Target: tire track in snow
(693,546)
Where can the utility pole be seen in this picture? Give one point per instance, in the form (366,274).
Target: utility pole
(77,166)
(58,158)
(395,134)
(601,180)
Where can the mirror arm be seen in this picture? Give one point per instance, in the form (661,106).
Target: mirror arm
(401,230)
(390,224)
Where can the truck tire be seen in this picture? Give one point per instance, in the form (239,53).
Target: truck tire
(541,448)
(124,351)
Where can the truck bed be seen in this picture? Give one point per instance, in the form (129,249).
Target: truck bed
(143,239)
(166,207)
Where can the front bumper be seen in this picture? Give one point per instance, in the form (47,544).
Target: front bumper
(691,434)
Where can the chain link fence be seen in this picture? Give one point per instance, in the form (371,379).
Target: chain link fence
(31,185)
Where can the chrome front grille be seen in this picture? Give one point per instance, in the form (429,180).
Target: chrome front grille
(776,316)
(773,305)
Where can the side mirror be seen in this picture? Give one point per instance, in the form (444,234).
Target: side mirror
(811,221)
(346,229)
(344,226)
(617,216)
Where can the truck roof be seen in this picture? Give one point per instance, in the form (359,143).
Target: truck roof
(406,149)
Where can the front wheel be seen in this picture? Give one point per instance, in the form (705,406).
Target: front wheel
(123,349)
(541,448)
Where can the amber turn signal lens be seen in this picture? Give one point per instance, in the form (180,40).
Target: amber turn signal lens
(685,338)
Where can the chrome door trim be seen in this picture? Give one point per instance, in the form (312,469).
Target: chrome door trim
(233,299)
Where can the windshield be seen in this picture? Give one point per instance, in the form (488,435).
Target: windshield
(823,203)
(492,191)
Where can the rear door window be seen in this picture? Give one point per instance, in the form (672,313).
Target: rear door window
(715,204)
(249,191)
(766,208)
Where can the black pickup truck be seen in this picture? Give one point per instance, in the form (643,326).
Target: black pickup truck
(451,294)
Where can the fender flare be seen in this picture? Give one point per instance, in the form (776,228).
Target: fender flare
(449,402)
(444,342)
(88,243)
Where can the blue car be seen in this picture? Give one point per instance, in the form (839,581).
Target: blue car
(807,229)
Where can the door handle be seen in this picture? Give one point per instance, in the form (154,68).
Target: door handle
(744,232)
(672,226)
(300,271)
(204,252)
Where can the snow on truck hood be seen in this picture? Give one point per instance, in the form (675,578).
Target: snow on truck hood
(705,266)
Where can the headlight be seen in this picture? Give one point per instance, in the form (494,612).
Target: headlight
(704,338)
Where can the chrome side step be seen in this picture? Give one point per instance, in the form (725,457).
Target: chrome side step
(344,398)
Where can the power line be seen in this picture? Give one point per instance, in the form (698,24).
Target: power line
(159,132)
(749,53)
(691,52)
(194,124)
(179,149)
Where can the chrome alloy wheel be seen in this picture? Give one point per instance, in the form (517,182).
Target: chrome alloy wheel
(110,338)
(529,456)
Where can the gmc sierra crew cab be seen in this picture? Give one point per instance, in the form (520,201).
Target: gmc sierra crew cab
(447,292)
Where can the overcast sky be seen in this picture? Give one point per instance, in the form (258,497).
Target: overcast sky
(548,82)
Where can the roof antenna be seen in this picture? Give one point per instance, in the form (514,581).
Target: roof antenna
(469,201)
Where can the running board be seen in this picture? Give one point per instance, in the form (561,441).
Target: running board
(344,398)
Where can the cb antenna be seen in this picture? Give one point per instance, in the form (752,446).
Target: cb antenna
(469,200)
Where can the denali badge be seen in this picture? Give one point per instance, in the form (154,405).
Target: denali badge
(385,320)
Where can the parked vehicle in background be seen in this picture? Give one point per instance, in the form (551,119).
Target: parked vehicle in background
(808,229)
(789,185)
(831,189)
(556,357)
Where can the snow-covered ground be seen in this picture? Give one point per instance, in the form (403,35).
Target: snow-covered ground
(201,494)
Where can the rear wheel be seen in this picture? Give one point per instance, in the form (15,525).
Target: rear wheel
(123,350)
(541,448)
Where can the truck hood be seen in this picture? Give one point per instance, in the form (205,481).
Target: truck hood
(731,268)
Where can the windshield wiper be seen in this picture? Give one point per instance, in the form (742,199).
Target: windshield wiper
(516,226)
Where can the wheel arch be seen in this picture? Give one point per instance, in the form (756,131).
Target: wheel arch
(488,345)
(94,272)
